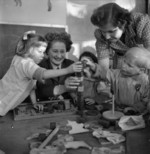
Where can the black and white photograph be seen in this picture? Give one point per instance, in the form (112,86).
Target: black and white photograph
(74,76)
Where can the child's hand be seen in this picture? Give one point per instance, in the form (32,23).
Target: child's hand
(38,107)
(90,64)
(87,73)
(59,89)
(75,67)
(89,101)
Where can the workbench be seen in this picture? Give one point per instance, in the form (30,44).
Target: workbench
(13,136)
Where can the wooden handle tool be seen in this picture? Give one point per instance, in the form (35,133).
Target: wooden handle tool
(48,139)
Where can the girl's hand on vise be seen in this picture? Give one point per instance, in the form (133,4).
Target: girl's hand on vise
(38,107)
(89,101)
(75,67)
(71,83)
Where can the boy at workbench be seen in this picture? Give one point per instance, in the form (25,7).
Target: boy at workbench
(93,90)
(130,84)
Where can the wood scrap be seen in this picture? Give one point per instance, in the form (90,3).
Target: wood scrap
(103,150)
(50,150)
(76,128)
(131,122)
(48,139)
(76,145)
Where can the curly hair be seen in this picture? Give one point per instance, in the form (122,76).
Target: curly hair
(61,37)
(110,13)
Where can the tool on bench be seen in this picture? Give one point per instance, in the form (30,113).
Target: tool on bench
(112,114)
(80,90)
(48,139)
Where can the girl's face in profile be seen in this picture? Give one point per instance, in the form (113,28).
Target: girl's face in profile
(112,34)
(57,52)
(37,53)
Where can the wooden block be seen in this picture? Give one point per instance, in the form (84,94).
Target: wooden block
(48,139)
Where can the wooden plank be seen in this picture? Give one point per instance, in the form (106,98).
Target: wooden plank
(52,115)
(26,111)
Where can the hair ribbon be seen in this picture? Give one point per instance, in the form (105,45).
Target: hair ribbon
(25,36)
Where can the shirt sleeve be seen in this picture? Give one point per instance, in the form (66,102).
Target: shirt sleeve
(144,90)
(38,75)
(101,45)
(109,75)
(143,29)
(101,73)
(32,70)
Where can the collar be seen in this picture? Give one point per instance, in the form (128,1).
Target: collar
(129,39)
(133,76)
(55,67)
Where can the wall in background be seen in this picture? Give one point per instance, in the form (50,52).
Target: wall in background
(80,26)
(33,12)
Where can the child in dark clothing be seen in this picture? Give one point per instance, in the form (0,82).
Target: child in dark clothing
(90,93)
